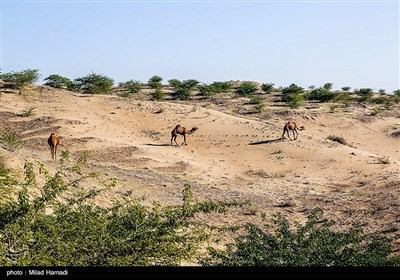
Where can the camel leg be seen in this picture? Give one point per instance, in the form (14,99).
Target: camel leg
(297,134)
(184,139)
(175,140)
(55,152)
(288,134)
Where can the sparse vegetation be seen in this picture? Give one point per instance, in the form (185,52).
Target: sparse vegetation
(309,245)
(383,160)
(338,139)
(246,89)
(158,94)
(268,87)
(293,95)
(10,141)
(333,107)
(57,81)
(183,89)
(206,90)
(28,112)
(259,103)
(19,80)
(219,87)
(131,86)
(365,94)
(77,232)
(94,84)
(155,82)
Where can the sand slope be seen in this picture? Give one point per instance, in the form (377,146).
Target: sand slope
(230,157)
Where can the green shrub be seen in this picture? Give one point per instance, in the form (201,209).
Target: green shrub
(206,90)
(309,245)
(341,96)
(19,80)
(327,86)
(27,112)
(155,82)
(246,89)
(183,89)
(290,90)
(259,103)
(131,86)
(321,94)
(48,231)
(175,83)
(125,94)
(219,87)
(94,84)
(10,141)
(365,94)
(268,88)
(57,81)
(158,94)
(294,100)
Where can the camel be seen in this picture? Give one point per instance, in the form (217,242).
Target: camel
(182,131)
(53,143)
(291,126)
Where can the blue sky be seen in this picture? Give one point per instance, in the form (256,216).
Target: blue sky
(346,43)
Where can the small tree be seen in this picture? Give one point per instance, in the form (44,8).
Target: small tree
(94,84)
(131,86)
(155,82)
(246,89)
(183,90)
(19,80)
(364,93)
(206,90)
(268,88)
(322,94)
(219,87)
(293,95)
(382,91)
(346,88)
(175,83)
(158,94)
(57,81)
(327,86)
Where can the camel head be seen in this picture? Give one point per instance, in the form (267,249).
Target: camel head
(193,129)
(302,128)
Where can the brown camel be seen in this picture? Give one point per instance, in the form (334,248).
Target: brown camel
(182,131)
(291,126)
(53,143)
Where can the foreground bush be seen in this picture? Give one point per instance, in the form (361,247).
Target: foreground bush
(48,231)
(308,245)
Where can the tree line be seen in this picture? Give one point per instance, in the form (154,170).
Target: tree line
(293,94)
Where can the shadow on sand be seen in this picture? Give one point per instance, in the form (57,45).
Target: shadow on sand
(157,145)
(267,141)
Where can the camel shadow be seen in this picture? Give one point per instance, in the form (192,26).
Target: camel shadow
(157,145)
(267,141)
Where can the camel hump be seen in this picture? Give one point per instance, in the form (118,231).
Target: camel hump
(178,125)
